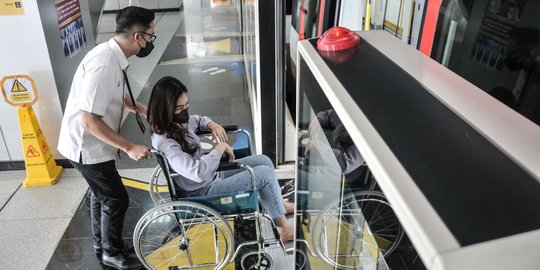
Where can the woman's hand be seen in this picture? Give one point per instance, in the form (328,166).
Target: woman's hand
(224,148)
(218,132)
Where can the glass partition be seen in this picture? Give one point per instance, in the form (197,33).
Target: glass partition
(494,44)
(342,221)
(246,10)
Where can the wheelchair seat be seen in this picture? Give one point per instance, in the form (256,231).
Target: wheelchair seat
(229,203)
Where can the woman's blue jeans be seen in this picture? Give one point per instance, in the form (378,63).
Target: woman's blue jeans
(266,181)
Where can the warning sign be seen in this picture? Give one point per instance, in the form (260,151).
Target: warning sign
(18,87)
(41,168)
(44,147)
(18,90)
(32,152)
(10,7)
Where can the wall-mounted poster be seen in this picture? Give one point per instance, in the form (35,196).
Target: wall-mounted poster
(71,26)
(491,44)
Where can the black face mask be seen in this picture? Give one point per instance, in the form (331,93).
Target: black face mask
(143,52)
(181,117)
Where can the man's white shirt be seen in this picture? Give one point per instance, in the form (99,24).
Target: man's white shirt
(97,88)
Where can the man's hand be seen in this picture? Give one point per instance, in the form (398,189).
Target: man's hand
(141,108)
(94,125)
(218,132)
(138,151)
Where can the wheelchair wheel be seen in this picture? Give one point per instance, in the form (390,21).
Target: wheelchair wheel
(183,234)
(342,239)
(300,260)
(255,260)
(156,183)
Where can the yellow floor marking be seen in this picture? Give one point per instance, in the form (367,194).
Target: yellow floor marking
(142,185)
(202,250)
(223,45)
(339,240)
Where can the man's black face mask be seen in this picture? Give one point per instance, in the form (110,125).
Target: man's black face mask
(143,52)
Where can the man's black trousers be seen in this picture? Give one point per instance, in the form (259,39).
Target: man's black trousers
(108,204)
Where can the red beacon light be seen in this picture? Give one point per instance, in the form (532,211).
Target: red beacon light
(338,38)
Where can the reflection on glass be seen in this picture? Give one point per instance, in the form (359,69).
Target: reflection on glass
(342,221)
(311,18)
(499,53)
(247,22)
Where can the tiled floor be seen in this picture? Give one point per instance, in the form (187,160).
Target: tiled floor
(34,219)
(75,249)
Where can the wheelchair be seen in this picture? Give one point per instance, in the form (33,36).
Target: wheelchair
(195,232)
(357,230)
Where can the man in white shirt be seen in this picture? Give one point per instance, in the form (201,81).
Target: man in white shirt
(89,134)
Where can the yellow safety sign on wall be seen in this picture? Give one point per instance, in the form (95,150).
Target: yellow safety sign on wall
(10,7)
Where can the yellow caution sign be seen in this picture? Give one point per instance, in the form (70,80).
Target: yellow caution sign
(10,7)
(19,90)
(41,168)
(18,87)
(19,93)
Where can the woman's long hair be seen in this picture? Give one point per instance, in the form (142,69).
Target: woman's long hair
(161,108)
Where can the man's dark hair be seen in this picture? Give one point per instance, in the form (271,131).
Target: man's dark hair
(132,16)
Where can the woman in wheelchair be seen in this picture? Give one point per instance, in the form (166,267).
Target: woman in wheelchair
(174,135)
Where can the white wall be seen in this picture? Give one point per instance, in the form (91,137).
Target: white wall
(351,14)
(23,50)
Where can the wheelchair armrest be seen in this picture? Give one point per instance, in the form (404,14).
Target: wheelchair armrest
(227,166)
(228,128)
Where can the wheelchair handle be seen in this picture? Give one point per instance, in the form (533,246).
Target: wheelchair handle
(251,174)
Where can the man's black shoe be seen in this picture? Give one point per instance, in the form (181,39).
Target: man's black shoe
(129,250)
(121,261)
